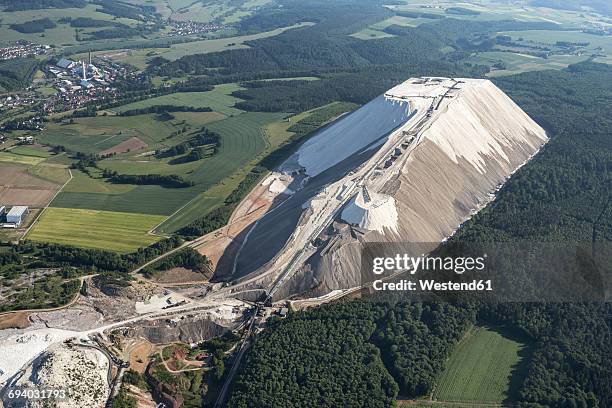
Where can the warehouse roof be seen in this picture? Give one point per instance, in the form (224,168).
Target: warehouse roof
(17,211)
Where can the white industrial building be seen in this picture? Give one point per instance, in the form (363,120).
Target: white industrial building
(16,215)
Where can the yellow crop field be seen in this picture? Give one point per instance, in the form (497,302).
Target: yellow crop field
(114,231)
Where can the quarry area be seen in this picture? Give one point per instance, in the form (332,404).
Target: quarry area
(410,166)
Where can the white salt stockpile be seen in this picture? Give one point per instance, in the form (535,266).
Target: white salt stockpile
(352,134)
(279,186)
(19,349)
(485,123)
(82,372)
(370,211)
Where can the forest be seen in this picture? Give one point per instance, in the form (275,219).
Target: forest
(164,108)
(17,74)
(20,5)
(34,26)
(168,181)
(126,10)
(184,258)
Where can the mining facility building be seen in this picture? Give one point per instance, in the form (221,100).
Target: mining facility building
(16,215)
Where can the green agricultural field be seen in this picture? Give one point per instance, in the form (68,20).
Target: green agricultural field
(150,165)
(177,51)
(82,183)
(400,21)
(144,50)
(481,368)
(154,200)
(227,10)
(371,34)
(243,143)
(219,100)
(18,158)
(245,138)
(115,231)
(50,172)
(498,11)
(303,78)
(96,134)
(517,63)
(597,44)
(31,151)
(63,34)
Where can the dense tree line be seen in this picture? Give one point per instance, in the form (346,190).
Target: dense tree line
(419,14)
(21,5)
(195,154)
(169,181)
(462,11)
(17,74)
(87,22)
(416,340)
(298,96)
(116,32)
(126,10)
(89,112)
(339,16)
(203,143)
(34,26)
(88,260)
(184,258)
(164,108)
(325,45)
(453,31)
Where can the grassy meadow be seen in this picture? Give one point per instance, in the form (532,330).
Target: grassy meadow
(480,369)
(219,100)
(63,34)
(10,157)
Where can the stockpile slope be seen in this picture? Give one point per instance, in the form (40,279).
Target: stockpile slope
(476,139)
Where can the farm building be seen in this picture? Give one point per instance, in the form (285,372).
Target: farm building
(16,215)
